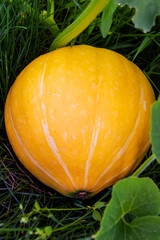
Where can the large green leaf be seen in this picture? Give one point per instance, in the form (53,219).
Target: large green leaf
(146,12)
(132,213)
(155,129)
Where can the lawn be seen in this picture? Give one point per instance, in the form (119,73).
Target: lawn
(28,208)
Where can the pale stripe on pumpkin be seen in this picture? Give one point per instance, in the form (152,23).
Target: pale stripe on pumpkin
(54,150)
(123,149)
(92,148)
(123,170)
(42,76)
(95,134)
(30,157)
(50,139)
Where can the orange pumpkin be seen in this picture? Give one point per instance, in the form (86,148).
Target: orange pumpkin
(78,118)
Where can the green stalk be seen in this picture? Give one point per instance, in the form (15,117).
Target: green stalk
(47,18)
(144,166)
(81,23)
(50,8)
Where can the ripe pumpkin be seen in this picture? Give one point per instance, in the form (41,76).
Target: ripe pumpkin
(78,118)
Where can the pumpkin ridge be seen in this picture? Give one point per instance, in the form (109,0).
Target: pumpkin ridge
(28,154)
(42,75)
(132,163)
(51,143)
(95,133)
(96,128)
(122,150)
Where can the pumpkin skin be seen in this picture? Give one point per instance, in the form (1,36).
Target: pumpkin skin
(78,118)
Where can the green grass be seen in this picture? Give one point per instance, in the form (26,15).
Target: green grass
(23,37)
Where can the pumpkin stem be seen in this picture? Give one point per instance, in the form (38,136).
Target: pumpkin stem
(82,195)
(81,23)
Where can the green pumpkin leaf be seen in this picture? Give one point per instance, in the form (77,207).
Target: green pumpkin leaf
(106,19)
(155,129)
(37,206)
(48,230)
(147,227)
(145,12)
(134,202)
(96,215)
(99,204)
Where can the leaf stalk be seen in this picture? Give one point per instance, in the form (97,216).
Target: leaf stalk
(81,23)
(143,167)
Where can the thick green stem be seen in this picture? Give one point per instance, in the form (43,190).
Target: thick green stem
(144,166)
(81,23)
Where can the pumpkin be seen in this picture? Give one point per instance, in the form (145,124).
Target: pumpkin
(78,118)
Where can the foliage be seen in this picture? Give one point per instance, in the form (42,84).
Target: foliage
(30,210)
(155,129)
(144,18)
(132,212)
(145,12)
